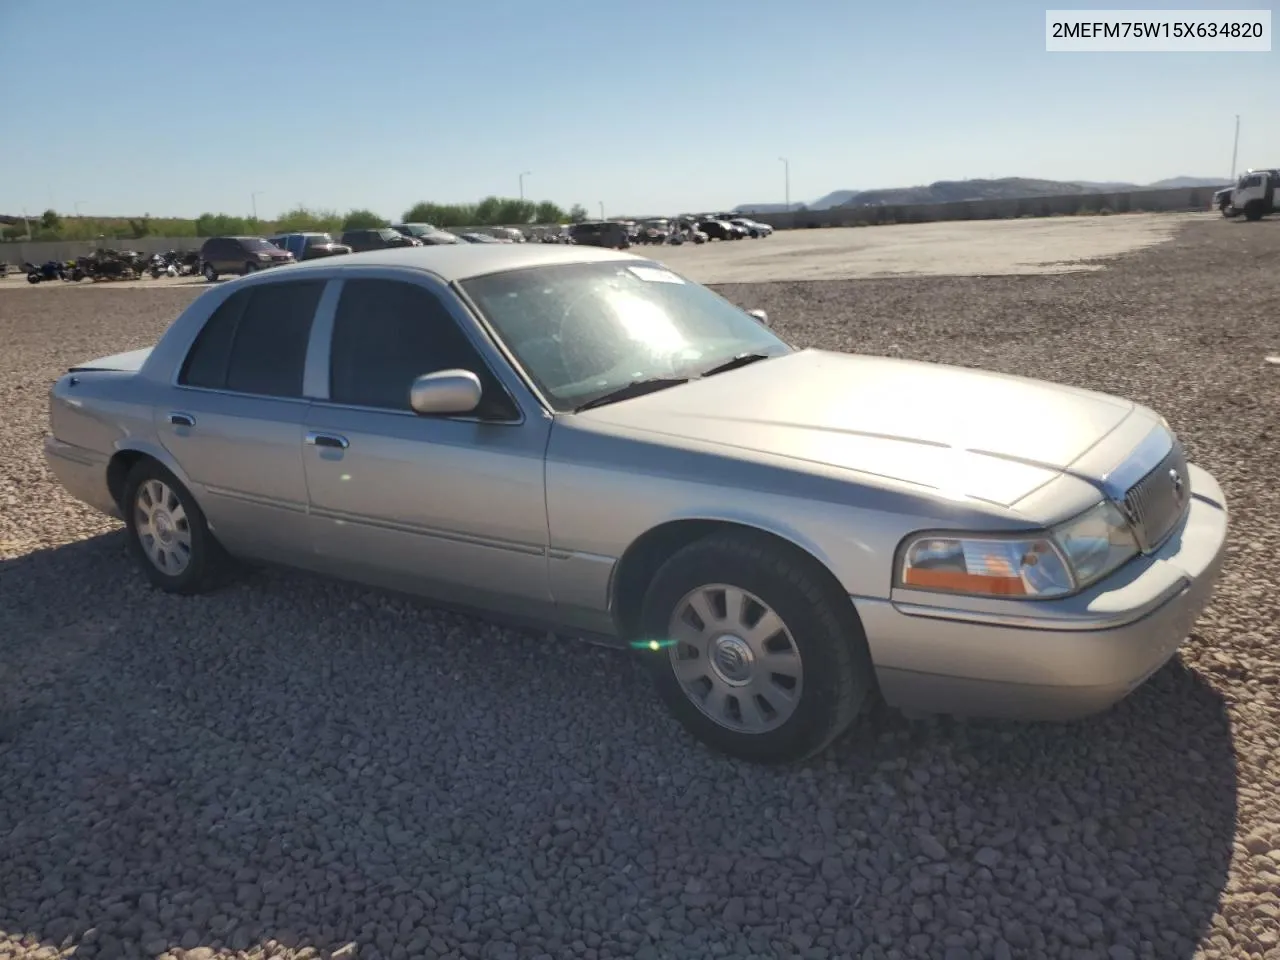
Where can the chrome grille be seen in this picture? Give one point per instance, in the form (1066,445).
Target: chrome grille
(1158,502)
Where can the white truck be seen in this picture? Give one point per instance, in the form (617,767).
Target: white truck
(1254,195)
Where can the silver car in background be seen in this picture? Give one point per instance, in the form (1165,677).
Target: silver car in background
(585,441)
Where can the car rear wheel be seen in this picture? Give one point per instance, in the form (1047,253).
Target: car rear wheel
(250,267)
(168,534)
(210,274)
(1253,210)
(753,649)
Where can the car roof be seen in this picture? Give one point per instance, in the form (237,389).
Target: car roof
(453,262)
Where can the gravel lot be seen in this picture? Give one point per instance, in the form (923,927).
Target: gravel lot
(294,768)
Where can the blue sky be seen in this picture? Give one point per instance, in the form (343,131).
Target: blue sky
(169,108)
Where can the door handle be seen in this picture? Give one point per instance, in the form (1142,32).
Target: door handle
(327,440)
(182,419)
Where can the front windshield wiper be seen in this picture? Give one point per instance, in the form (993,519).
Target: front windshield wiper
(741,360)
(636,388)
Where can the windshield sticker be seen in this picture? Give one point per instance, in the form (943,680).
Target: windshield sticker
(655,275)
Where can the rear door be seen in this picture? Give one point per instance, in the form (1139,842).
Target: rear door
(236,420)
(450,507)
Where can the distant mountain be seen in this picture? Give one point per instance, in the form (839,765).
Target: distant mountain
(1105,186)
(837,199)
(767,207)
(949,191)
(1174,182)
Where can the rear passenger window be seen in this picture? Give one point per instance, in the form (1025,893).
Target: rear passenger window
(256,342)
(386,334)
(206,364)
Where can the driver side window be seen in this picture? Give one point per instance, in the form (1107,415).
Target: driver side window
(387,333)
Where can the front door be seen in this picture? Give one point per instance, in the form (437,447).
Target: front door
(449,507)
(234,422)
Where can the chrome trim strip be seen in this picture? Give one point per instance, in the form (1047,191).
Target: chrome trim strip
(393,412)
(233,393)
(289,505)
(529,549)
(315,370)
(557,554)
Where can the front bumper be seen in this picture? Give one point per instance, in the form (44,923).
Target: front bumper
(1055,659)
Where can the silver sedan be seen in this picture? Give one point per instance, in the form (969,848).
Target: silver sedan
(584,441)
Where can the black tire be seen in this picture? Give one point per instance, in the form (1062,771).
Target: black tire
(33,278)
(1253,211)
(249,267)
(210,274)
(207,563)
(838,675)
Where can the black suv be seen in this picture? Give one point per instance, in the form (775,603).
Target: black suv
(602,233)
(378,238)
(240,255)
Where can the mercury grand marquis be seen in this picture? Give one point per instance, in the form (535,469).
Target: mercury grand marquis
(584,441)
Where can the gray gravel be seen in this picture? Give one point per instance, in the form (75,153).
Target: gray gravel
(294,768)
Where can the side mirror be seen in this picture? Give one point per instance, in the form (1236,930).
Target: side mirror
(760,315)
(445,392)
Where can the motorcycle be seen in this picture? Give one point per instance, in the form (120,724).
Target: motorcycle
(49,270)
(163,265)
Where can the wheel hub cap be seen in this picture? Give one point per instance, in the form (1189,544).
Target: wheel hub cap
(735,658)
(163,524)
(732,660)
(163,530)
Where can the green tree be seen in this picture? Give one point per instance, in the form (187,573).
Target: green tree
(49,220)
(223,225)
(362,220)
(139,227)
(442,214)
(303,220)
(487,212)
(548,212)
(577,213)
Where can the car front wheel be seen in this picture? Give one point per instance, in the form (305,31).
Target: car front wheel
(754,649)
(210,274)
(168,535)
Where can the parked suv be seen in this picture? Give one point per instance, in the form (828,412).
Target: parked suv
(309,246)
(603,233)
(240,255)
(377,238)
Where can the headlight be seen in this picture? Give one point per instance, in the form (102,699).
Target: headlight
(264,256)
(1096,542)
(1055,563)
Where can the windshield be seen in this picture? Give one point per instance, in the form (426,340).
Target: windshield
(583,330)
(416,229)
(258,243)
(386,233)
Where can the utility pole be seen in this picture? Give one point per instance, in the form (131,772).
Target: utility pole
(1235,149)
(786,181)
(601,202)
(253,199)
(77,204)
(522,176)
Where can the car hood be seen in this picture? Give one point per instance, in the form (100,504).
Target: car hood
(964,433)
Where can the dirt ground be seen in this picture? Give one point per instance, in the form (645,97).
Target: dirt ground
(294,768)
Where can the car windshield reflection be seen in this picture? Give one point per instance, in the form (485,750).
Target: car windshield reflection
(582,330)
